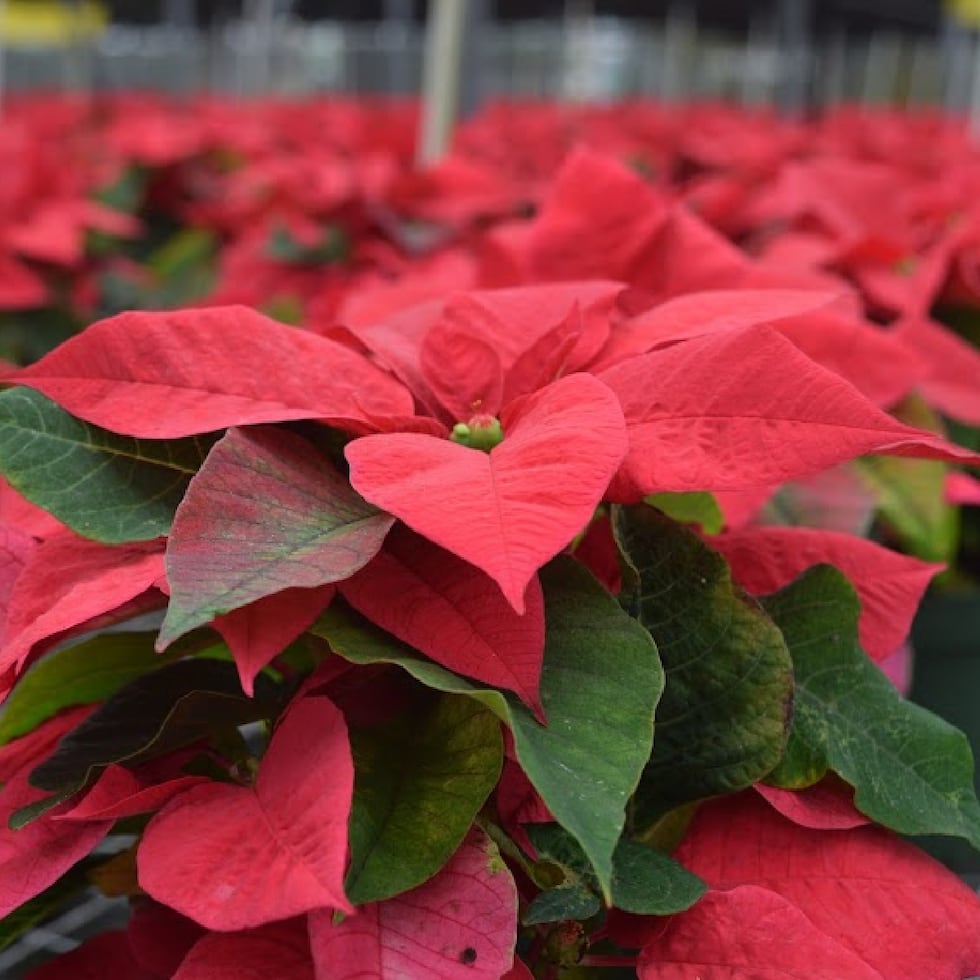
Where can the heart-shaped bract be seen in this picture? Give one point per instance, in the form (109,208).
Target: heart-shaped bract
(235,857)
(510,510)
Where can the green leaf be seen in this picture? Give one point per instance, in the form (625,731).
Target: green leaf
(26,335)
(107,487)
(172,707)
(564,903)
(600,685)
(645,881)
(81,674)
(723,719)
(910,493)
(21,817)
(333,246)
(183,267)
(419,784)
(692,507)
(648,882)
(126,192)
(910,770)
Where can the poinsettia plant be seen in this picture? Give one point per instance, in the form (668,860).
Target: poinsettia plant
(429,657)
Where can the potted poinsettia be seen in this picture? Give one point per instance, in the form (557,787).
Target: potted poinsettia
(443,674)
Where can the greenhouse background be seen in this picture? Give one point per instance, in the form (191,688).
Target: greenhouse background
(798,53)
(797,56)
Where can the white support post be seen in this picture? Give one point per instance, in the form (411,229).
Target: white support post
(577,37)
(260,17)
(794,29)
(680,40)
(440,77)
(974,106)
(3,59)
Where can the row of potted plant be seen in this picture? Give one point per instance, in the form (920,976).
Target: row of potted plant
(536,605)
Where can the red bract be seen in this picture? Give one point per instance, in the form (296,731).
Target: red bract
(164,375)
(376,297)
(35,857)
(460,923)
(636,235)
(877,362)
(20,286)
(70,582)
(593,200)
(749,932)
(28,750)
(702,313)
(55,232)
(889,585)
(257,632)
(104,957)
(742,410)
(270,952)
(16,512)
(893,908)
(16,549)
(120,793)
(518,971)
(961,488)
(453,613)
(952,368)
(265,852)
(497,510)
(827,805)
(160,938)
(512,321)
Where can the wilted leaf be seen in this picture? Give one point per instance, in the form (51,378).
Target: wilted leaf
(116,877)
